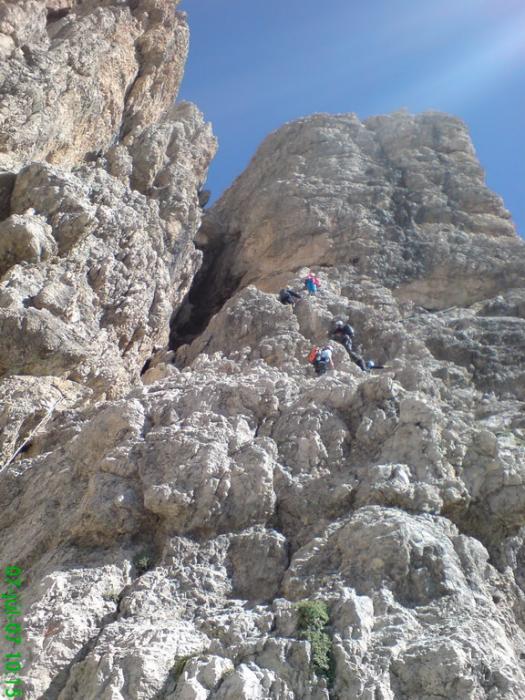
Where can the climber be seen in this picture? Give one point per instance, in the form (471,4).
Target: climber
(288,296)
(312,283)
(344,333)
(323,360)
(370,365)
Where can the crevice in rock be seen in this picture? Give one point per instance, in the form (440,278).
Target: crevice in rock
(55,15)
(169,687)
(126,126)
(476,522)
(146,366)
(25,448)
(212,286)
(60,681)
(7,184)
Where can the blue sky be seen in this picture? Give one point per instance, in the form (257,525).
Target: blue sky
(256,64)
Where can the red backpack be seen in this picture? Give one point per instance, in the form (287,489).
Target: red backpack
(312,355)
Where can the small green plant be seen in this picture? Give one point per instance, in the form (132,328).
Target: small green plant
(313,618)
(313,614)
(143,562)
(322,661)
(180,665)
(111,595)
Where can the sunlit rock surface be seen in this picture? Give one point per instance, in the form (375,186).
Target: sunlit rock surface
(99,195)
(169,523)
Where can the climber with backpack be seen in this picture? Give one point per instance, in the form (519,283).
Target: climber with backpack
(312,283)
(344,334)
(288,296)
(321,358)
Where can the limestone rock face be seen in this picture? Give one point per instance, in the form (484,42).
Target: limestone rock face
(204,506)
(99,194)
(180,533)
(79,74)
(400,198)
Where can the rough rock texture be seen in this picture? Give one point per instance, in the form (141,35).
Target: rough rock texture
(400,198)
(99,203)
(78,77)
(169,527)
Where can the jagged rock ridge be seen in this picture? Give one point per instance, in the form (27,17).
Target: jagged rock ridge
(168,528)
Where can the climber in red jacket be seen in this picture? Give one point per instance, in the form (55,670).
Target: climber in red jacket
(312,283)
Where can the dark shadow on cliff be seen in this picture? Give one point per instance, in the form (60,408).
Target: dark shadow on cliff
(212,287)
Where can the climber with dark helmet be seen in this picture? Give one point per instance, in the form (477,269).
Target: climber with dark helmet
(289,296)
(324,359)
(312,283)
(370,365)
(344,334)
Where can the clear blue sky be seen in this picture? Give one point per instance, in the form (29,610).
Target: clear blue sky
(255,64)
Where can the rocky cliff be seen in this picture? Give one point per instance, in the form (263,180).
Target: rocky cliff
(198,516)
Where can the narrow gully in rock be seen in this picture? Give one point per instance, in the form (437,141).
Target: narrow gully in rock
(211,288)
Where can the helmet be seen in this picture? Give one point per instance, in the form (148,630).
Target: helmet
(328,347)
(370,364)
(339,324)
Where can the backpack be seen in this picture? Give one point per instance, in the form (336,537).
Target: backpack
(325,355)
(312,355)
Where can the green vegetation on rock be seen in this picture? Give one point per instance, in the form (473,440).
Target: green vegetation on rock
(180,665)
(313,618)
(143,562)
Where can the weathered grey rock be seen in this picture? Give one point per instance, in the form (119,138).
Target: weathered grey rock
(26,406)
(73,81)
(366,532)
(119,271)
(93,263)
(169,527)
(400,198)
(25,238)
